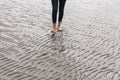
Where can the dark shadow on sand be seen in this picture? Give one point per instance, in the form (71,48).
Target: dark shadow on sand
(57,40)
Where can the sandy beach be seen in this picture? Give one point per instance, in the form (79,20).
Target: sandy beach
(87,49)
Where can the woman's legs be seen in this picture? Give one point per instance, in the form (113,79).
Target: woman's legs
(61,12)
(54,13)
(54,10)
(61,9)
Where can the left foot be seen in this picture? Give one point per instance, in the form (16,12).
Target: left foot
(59,29)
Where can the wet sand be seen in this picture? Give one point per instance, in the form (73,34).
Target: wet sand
(87,49)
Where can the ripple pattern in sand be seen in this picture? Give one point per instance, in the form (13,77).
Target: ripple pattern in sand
(87,49)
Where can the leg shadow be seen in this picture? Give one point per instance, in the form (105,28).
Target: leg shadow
(58,40)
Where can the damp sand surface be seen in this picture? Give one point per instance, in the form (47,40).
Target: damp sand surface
(87,49)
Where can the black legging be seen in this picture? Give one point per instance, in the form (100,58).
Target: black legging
(55,9)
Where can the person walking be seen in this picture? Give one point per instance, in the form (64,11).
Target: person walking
(57,4)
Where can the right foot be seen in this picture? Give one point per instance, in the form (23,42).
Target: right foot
(53,29)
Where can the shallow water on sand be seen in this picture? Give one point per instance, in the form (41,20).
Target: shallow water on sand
(109,6)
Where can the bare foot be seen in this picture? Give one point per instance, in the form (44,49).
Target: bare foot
(53,29)
(59,28)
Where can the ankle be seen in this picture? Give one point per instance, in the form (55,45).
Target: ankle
(54,25)
(58,26)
